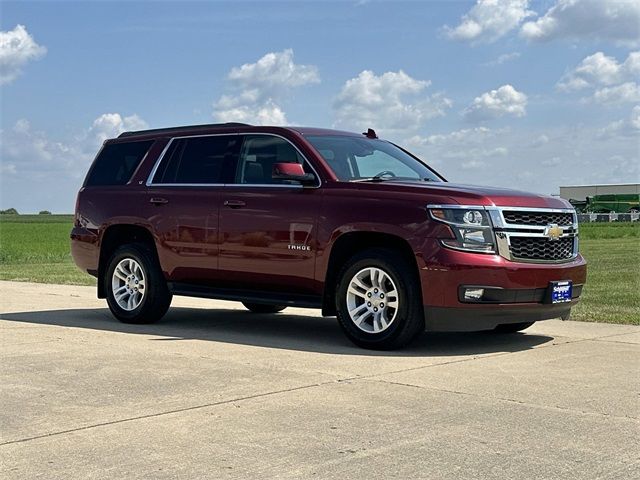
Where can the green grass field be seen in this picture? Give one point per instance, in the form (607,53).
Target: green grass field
(35,248)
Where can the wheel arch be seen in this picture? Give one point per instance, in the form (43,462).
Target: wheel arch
(350,243)
(115,236)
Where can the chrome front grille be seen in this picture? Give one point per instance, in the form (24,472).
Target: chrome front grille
(538,218)
(532,234)
(536,248)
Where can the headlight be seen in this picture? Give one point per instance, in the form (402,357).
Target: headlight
(471,227)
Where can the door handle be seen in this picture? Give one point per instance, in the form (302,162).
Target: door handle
(158,201)
(234,203)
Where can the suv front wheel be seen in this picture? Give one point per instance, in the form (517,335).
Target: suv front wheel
(378,301)
(136,289)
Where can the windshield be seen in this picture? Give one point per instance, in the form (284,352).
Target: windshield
(355,158)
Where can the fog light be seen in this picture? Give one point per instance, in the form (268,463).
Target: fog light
(473,294)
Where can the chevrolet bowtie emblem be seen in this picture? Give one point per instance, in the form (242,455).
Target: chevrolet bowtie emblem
(553,231)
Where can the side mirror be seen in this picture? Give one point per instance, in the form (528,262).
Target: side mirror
(293,172)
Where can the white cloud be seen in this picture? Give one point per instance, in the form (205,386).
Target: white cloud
(634,118)
(39,172)
(17,48)
(629,127)
(551,162)
(391,102)
(508,158)
(232,109)
(504,58)
(614,20)
(110,125)
(505,100)
(625,93)
(598,70)
(32,152)
(477,134)
(473,164)
(489,20)
(612,80)
(540,141)
(462,154)
(273,71)
(8,168)
(260,88)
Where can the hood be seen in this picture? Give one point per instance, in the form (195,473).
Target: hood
(476,195)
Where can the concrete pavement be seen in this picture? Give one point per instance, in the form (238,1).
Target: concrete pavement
(216,392)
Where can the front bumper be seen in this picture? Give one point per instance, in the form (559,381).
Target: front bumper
(444,271)
(485,317)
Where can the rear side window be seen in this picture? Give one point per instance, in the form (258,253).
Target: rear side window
(196,160)
(116,163)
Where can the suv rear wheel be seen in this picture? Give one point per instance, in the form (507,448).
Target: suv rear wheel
(136,289)
(263,308)
(378,300)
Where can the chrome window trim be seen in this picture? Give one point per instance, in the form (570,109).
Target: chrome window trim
(269,185)
(156,185)
(504,231)
(142,162)
(149,182)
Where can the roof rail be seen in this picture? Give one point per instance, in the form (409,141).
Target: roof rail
(159,131)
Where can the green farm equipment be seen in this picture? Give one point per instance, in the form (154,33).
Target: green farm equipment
(611,203)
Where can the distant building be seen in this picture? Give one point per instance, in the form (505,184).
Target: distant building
(581,192)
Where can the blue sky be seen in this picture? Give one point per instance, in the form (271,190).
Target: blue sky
(515,93)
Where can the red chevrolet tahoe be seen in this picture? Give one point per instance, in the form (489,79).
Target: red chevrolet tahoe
(307,217)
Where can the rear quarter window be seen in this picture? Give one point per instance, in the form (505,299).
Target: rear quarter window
(116,163)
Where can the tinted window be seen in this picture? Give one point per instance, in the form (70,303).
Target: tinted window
(194,160)
(258,155)
(356,158)
(379,161)
(116,163)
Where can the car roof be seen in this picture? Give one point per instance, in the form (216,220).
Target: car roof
(213,128)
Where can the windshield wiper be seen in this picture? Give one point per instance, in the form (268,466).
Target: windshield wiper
(378,178)
(375,178)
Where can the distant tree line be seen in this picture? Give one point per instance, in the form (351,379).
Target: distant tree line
(13,211)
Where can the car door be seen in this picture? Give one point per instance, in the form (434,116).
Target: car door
(268,227)
(183,206)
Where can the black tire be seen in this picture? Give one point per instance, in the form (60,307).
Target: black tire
(263,308)
(408,321)
(512,327)
(156,299)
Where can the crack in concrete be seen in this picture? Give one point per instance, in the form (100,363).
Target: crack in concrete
(238,399)
(512,400)
(160,414)
(356,378)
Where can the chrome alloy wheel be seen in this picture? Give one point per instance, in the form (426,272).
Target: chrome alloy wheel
(372,300)
(128,284)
